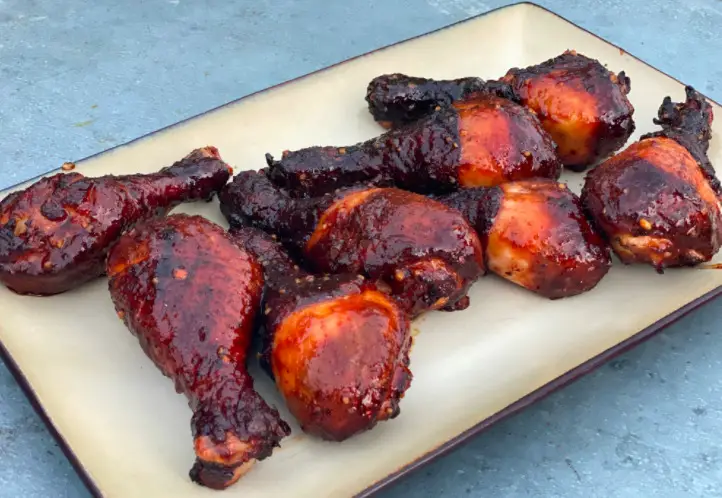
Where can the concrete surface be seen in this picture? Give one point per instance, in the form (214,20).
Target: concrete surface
(77,77)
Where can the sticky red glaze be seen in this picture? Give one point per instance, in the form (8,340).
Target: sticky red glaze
(191,296)
(541,240)
(429,155)
(428,253)
(55,234)
(582,105)
(535,234)
(501,141)
(337,363)
(336,345)
(655,205)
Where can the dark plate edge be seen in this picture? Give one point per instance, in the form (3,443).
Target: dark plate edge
(446,447)
(32,397)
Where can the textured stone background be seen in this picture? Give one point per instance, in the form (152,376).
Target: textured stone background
(77,77)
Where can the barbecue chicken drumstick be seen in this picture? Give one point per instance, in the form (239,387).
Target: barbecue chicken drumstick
(483,141)
(55,234)
(534,233)
(658,200)
(191,296)
(396,99)
(426,252)
(582,105)
(337,347)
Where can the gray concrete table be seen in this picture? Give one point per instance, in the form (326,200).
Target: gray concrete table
(77,77)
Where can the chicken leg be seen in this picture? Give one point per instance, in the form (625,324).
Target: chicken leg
(658,200)
(581,104)
(191,296)
(426,252)
(55,234)
(483,141)
(395,100)
(534,233)
(336,345)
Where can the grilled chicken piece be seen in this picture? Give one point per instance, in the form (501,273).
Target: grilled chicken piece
(484,141)
(397,99)
(55,234)
(191,296)
(426,252)
(658,200)
(534,233)
(336,345)
(582,105)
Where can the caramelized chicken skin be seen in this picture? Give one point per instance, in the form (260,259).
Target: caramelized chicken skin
(582,105)
(689,123)
(658,200)
(535,234)
(54,235)
(426,252)
(483,141)
(397,99)
(191,296)
(336,345)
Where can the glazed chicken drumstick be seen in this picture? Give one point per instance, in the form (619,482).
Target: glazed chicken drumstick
(396,99)
(336,345)
(55,234)
(582,105)
(483,141)
(191,296)
(426,252)
(658,200)
(534,233)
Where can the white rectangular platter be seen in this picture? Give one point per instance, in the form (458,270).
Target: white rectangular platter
(129,432)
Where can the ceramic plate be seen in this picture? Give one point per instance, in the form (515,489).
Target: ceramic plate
(127,431)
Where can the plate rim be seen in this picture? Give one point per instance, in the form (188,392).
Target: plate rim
(404,471)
